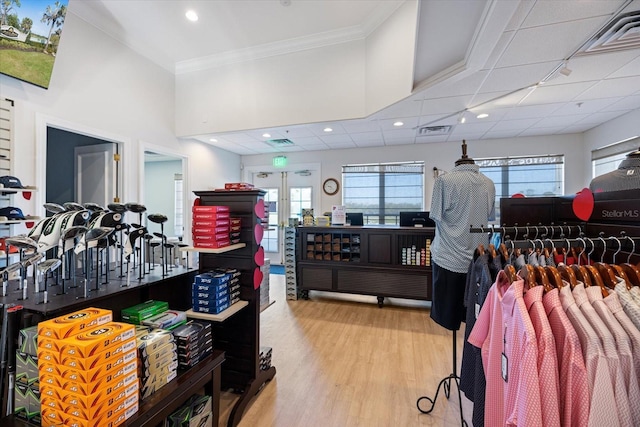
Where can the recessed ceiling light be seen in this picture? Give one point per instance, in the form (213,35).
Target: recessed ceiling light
(482,116)
(191,15)
(328,130)
(213,140)
(398,124)
(266,135)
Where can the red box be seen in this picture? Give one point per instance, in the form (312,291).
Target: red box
(207,223)
(209,230)
(238,186)
(211,209)
(210,216)
(212,244)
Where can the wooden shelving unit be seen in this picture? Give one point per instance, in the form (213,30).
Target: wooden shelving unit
(239,334)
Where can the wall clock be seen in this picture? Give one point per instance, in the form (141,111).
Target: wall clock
(331,186)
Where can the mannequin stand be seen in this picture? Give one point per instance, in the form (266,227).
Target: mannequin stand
(445,383)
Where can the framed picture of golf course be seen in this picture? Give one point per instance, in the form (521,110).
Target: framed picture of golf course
(30,33)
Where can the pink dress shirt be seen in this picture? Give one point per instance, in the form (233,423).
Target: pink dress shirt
(628,302)
(613,302)
(611,355)
(575,397)
(503,327)
(600,383)
(548,373)
(623,347)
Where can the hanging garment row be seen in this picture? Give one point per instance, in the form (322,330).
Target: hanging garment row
(551,344)
(533,231)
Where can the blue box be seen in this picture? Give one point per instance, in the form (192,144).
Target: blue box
(211,310)
(210,302)
(212,278)
(209,291)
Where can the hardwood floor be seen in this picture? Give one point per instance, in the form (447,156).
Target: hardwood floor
(342,361)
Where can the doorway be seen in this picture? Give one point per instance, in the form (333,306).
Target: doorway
(288,191)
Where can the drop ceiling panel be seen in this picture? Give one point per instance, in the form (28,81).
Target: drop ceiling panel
(586,107)
(630,69)
(445,105)
(308,141)
(543,95)
(625,104)
(548,42)
(330,139)
(360,126)
(517,77)
(586,68)
(549,12)
(532,111)
(609,88)
(370,143)
(465,86)
(560,121)
(514,124)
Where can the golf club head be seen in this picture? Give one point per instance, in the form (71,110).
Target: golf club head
(157,218)
(161,236)
(135,207)
(117,207)
(69,236)
(36,231)
(22,242)
(50,236)
(131,239)
(93,207)
(16,266)
(91,238)
(49,265)
(32,260)
(73,206)
(106,219)
(53,208)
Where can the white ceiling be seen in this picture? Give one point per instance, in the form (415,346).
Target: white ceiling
(505,47)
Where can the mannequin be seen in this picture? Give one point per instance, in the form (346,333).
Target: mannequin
(466,195)
(626,177)
(461,198)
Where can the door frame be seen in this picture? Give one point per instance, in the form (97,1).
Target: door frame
(186,187)
(93,149)
(43,122)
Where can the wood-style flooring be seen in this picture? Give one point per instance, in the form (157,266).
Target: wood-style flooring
(343,362)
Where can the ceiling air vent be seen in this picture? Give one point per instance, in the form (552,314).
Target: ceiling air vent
(434,130)
(623,32)
(283,142)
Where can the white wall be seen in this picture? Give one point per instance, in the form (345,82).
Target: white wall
(100,85)
(619,129)
(442,156)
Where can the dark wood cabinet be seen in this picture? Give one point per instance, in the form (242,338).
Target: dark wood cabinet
(372,260)
(239,335)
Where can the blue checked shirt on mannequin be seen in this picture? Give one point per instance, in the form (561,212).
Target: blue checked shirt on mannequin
(461,198)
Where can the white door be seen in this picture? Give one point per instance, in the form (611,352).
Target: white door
(287,191)
(95,174)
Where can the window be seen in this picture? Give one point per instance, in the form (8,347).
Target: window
(299,198)
(270,239)
(539,176)
(607,159)
(178,221)
(380,191)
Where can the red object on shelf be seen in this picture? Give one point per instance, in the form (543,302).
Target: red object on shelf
(211,209)
(238,186)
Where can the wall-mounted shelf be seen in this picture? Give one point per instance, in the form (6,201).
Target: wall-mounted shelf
(9,190)
(214,251)
(220,317)
(20,221)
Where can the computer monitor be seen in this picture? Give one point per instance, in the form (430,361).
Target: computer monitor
(355,218)
(416,219)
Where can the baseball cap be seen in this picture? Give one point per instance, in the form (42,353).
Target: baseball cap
(12,213)
(8,181)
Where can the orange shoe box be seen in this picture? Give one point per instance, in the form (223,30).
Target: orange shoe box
(98,340)
(74,323)
(102,382)
(88,363)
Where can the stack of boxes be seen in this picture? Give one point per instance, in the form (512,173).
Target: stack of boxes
(265,299)
(211,227)
(234,186)
(143,311)
(27,389)
(290,263)
(215,291)
(235,226)
(87,368)
(196,412)
(265,358)
(195,342)
(158,359)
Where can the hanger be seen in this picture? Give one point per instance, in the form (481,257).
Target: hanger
(543,278)
(527,272)
(553,276)
(597,279)
(568,274)
(580,270)
(633,272)
(616,268)
(510,271)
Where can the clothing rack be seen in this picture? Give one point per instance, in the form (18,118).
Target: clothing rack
(532,231)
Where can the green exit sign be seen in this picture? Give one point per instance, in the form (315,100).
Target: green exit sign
(280,161)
